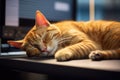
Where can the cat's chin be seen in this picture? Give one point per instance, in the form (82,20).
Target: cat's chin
(46,54)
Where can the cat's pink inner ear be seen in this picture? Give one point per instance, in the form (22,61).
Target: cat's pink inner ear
(41,20)
(16,44)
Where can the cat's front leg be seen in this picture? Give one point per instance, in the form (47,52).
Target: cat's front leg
(32,52)
(104,54)
(77,51)
(63,55)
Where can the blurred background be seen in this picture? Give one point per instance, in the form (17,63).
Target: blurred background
(17,16)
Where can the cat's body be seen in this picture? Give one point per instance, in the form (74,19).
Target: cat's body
(84,37)
(72,40)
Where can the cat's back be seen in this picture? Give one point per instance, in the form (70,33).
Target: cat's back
(107,33)
(99,25)
(104,32)
(89,26)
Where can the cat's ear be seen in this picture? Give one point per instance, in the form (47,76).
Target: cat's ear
(41,20)
(16,44)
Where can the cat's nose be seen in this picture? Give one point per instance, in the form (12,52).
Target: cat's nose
(44,49)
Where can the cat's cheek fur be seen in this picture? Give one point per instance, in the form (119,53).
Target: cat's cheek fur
(52,48)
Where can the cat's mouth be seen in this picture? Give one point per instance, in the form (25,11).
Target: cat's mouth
(45,53)
(49,52)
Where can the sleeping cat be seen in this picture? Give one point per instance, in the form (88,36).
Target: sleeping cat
(69,40)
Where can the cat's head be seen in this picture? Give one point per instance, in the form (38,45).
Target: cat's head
(41,39)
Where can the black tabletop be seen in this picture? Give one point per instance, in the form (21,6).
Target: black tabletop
(75,68)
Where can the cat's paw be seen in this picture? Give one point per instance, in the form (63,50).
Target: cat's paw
(63,56)
(33,52)
(96,55)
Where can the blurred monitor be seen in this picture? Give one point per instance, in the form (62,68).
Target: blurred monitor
(22,12)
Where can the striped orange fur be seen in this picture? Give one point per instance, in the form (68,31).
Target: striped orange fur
(67,40)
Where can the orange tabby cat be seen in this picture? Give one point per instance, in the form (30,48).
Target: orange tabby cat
(67,40)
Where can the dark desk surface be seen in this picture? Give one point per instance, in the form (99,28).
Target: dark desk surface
(75,68)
